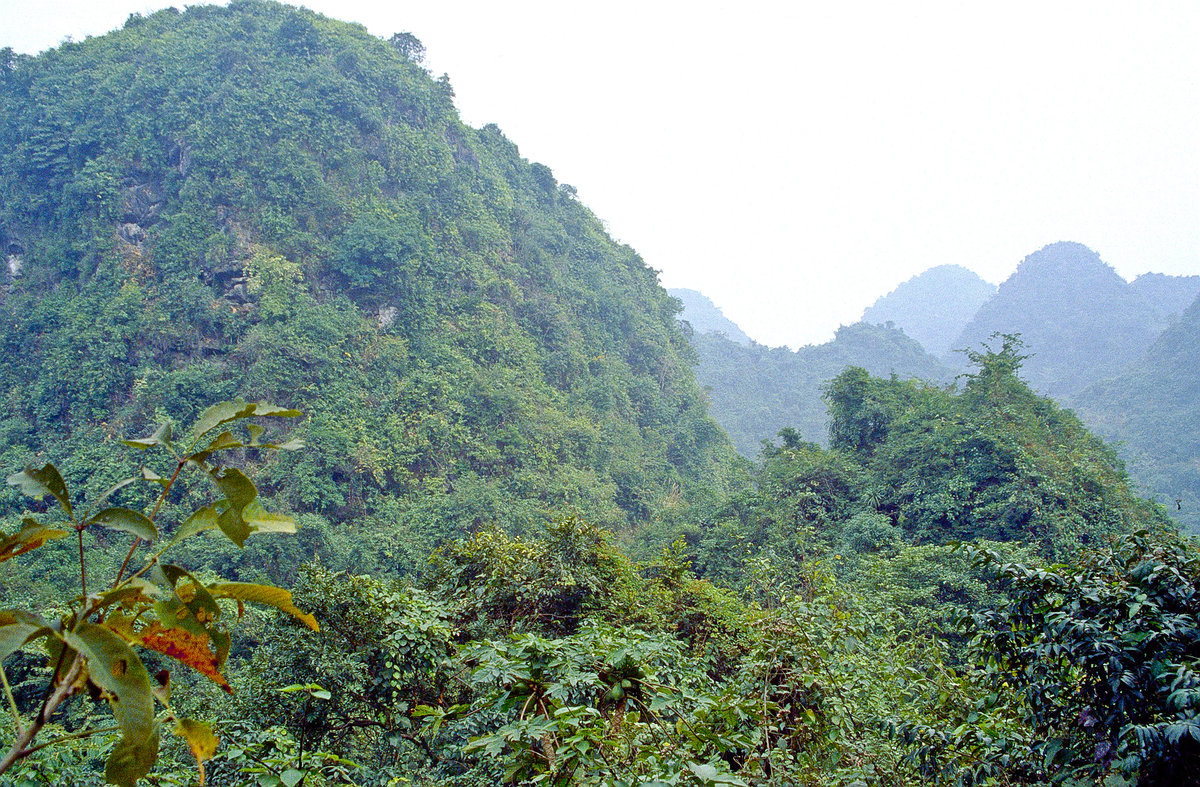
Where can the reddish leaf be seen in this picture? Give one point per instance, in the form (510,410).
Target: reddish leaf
(192,649)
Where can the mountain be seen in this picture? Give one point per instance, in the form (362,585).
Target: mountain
(1153,409)
(1170,295)
(933,307)
(1080,321)
(257,201)
(706,317)
(756,391)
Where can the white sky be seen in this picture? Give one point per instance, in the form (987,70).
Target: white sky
(795,160)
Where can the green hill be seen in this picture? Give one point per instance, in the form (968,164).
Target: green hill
(257,201)
(757,391)
(934,306)
(1152,409)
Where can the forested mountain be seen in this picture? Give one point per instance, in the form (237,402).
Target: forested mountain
(757,390)
(256,201)
(1153,409)
(706,317)
(525,553)
(1080,321)
(933,307)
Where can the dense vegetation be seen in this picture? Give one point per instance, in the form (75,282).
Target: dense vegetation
(1152,409)
(524,551)
(257,201)
(814,628)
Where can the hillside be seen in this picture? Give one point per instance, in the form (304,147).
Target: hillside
(1080,321)
(934,306)
(757,391)
(1152,409)
(1170,295)
(257,201)
(706,317)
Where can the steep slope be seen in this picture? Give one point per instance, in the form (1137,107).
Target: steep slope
(933,307)
(1153,409)
(756,391)
(706,317)
(1080,321)
(255,200)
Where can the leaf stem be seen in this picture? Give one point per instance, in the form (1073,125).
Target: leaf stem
(71,737)
(12,702)
(82,564)
(136,540)
(65,688)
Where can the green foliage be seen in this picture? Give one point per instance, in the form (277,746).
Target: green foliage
(756,390)
(159,608)
(257,201)
(546,585)
(994,461)
(1106,654)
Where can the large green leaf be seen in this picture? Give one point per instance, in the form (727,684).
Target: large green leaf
(240,492)
(225,412)
(41,482)
(17,628)
(161,436)
(114,667)
(200,520)
(126,520)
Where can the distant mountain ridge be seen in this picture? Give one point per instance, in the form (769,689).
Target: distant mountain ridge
(933,307)
(706,317)
(756,391)
(1170,295)
(1080,321)
(1125,354)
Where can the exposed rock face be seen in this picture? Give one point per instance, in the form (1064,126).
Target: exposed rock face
(14,255)
(143,203)
(132,234)
(387,315)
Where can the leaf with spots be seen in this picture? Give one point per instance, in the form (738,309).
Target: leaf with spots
(187,647)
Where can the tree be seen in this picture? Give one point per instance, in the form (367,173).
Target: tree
(157,607)
(409,46)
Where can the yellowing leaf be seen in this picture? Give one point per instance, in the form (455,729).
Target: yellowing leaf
(264,594)
(200,740)
(29,537)
(187,647)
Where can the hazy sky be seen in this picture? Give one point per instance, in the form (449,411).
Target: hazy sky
(795,160)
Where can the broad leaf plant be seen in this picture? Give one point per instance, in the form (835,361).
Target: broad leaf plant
(150,604)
